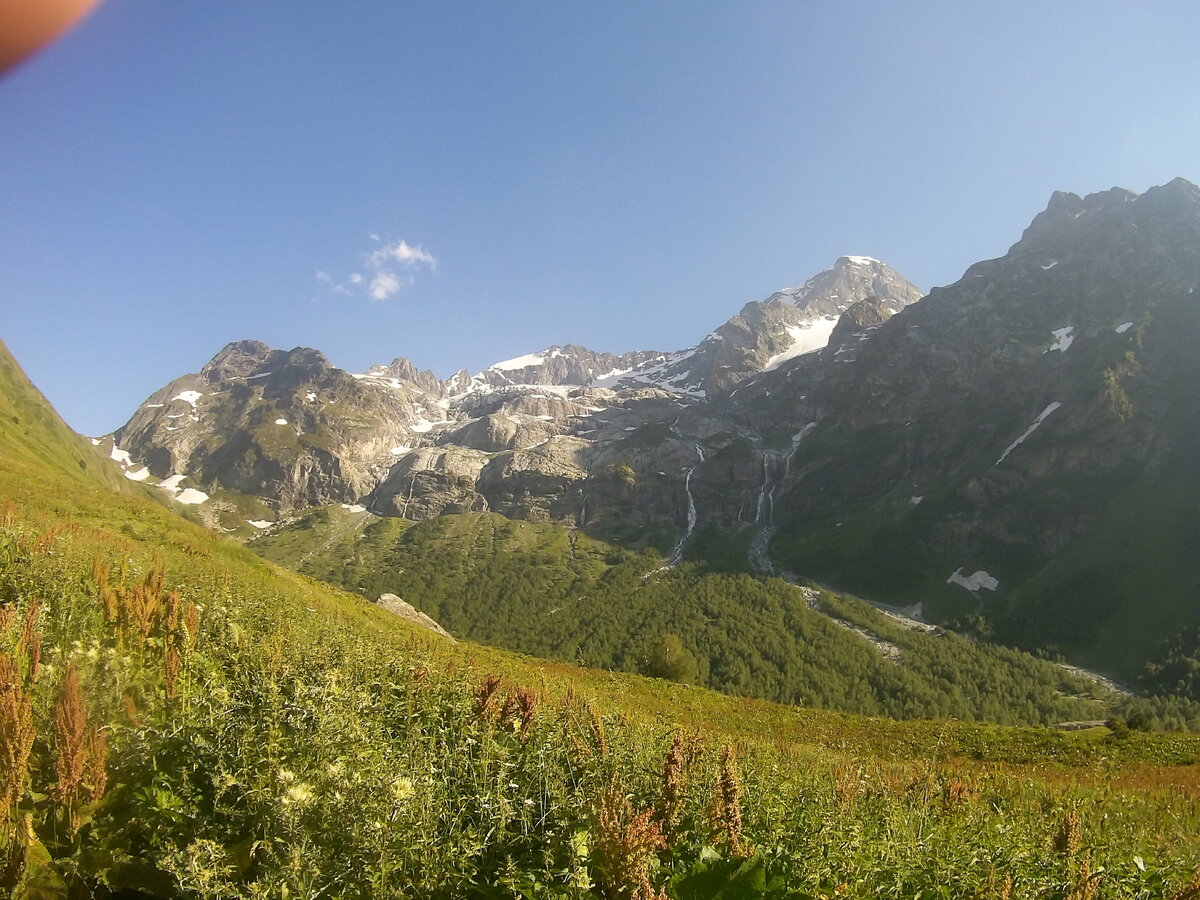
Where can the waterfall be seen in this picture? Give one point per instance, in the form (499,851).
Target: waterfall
(583,510)
(677,552)
(408,499)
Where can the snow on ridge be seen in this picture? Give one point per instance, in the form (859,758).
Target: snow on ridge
(354,507)
(1050,265)
(188,397)
(805,339)
(140,475)
(1123,327)
(1028,431)
(519,362)
(191,496)
(608,379)
(259,523)
(121,456)
(862,260)
(979,579)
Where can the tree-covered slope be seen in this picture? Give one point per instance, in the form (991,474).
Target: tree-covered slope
(551,592)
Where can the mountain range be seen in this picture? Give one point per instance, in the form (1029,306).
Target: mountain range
(1014,454)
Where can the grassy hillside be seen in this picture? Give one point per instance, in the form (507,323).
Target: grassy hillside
(550,592)
(179,718)
(33,438)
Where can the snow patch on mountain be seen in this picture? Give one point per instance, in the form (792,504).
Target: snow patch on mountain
(806,338)
(1028,431)
(973,582)
(1063,338)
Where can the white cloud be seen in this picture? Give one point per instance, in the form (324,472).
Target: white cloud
(401,252)
(385,284)
(412,256)
(389,269)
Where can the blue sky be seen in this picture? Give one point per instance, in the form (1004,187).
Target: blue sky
(460,183)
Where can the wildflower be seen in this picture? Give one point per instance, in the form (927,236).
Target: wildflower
(402,789)
(172,663)
(285,776)
(726,808)
(1069,837)
(16,733)
(70,726)
(678,761)
(299,793)
(81,750)
(625,847)
(483,696)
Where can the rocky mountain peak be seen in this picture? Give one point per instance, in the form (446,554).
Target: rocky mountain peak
(849,279)
(402,369)
(237,359)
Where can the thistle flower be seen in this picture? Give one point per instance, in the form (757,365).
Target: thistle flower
(299,794)
(402,789)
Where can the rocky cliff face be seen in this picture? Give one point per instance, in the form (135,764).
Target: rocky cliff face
(1001,439)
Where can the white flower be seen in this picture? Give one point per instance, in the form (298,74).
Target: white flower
(298,793)
(402,789)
